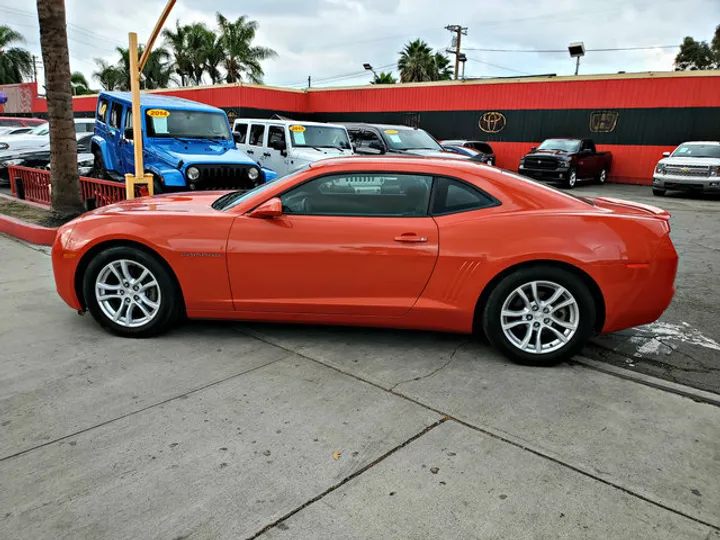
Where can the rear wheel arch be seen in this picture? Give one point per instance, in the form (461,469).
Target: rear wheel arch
(586,278)
(102,246)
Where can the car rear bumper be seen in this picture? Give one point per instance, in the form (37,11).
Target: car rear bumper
(687,183)
(558,174)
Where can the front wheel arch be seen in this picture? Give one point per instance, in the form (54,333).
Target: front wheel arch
(102,246)
(589,281)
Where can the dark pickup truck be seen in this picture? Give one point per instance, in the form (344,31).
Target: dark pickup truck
(566,161)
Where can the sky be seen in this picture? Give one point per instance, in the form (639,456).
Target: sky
(330,40)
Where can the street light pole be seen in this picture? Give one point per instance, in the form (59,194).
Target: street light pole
(136,68)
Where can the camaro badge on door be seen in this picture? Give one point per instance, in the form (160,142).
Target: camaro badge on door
(492,122)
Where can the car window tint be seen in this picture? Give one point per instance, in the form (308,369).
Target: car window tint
(241,130)
(129,119)
(257,132)
(276,134)
(361,194)
(102,110)
(453,196)
(369,139)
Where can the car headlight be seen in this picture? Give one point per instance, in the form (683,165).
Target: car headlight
(660,169)
(193,173)
(4,146)
(253,173)
(714,171)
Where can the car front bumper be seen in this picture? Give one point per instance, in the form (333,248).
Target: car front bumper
(704,184)
(559,174)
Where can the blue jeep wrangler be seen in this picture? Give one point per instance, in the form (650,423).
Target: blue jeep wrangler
(186,145)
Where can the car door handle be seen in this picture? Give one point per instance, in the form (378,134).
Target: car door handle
(250,151)
(410,238)
(266,154)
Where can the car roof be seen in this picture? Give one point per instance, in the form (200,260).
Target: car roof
(379,126)
(716,143)
(284,122)
(158,100)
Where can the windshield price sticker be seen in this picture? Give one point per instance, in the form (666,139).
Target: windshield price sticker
(297,129)
(158,113)
(391,131)
(395,138)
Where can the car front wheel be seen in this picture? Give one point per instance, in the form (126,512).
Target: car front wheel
(572,178)
(539,315)
(131,293)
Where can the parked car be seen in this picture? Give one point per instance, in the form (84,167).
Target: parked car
(566,161)
(376,139)
(285,146)
(20,121)
(15,130)
(692,166)
(478,150)
(443,245)
(39,158)
(39,137)
(186,145)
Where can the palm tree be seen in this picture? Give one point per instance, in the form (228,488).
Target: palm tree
(241,57)
(214,59)
(443,69)
(384,78)
(80,86)
(65,192)
(417,63)
(198,40)
(177,42)
(16,64)
(109,76)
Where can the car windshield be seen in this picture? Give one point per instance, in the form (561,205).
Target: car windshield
(305,136)
(42,129)
(697,151)
(186,125)
(410,139)
(563,145)
(230,200)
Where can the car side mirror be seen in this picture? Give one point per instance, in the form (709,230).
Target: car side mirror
(278,145)
(376,145)
(533,148)
(128,134)
(268,210)
(236,137)
(666,154)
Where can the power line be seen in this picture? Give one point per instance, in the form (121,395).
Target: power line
(565,50)
(497,66)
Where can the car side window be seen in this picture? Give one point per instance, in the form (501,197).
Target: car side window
(276,136)
(115,115)
(369,140)
(241,132)
(453,196)
(361,194)
(102,110)
(257,133)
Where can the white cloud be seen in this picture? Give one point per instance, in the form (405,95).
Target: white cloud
(328,38)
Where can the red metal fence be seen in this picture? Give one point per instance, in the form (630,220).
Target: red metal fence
(36,187)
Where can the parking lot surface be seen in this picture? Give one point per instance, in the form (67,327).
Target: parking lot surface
(221,430)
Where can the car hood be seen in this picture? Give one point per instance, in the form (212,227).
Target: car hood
(310,154)
(175,152)
(433,153)
(199,202)
(689,162)
(553,153)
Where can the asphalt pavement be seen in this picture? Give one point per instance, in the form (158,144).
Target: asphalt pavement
(226,430)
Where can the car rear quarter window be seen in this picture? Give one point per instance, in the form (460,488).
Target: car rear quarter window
(453,196)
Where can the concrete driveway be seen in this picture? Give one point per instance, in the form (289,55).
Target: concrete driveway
(237,431)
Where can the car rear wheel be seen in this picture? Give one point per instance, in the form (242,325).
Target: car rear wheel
(539,315)
(658,192)
(130,293)
(602,177)
(572,178)
(99,170)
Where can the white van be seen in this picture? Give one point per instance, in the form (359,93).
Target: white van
(285,146)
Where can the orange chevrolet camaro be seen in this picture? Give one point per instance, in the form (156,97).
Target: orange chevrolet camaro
(416,243)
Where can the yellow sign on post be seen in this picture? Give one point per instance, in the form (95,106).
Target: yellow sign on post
(136,67)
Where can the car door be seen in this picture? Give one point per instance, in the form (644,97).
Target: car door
(127,147)
(338,249)
(115,135)
(256,142)
(273,157)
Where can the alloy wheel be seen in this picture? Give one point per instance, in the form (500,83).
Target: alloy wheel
(540,317)
(128,293)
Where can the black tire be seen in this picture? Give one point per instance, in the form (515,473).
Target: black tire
(158,186)
(602,176)
(571,180)
(170,299)
(586,309)
(99,170)
(659,192)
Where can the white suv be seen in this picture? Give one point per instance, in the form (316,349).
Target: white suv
(285,146)
(692,166)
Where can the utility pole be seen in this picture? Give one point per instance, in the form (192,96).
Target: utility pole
(459,32)
(309,81)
